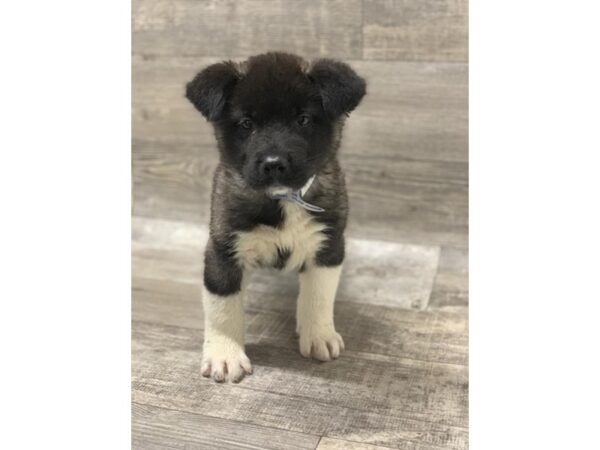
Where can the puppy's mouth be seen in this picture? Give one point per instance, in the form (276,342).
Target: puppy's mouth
(279,190)
(278,187)
(279,184)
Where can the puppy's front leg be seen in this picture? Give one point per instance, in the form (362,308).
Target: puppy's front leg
(314,314)
(223,355)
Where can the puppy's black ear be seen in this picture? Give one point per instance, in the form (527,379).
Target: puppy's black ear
(341,88)
(209,89)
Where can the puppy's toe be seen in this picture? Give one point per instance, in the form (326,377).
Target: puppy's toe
(320,350)
(305,346)
(246,364)
(334,348)
(218,371)
(205,369)
(235,371)
(340,341)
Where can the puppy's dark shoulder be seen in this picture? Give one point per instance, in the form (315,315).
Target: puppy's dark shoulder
(235,207)
(330,194)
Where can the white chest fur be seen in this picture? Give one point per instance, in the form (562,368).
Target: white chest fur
(300,235)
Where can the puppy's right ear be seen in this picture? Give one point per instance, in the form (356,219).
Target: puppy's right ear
(209,89)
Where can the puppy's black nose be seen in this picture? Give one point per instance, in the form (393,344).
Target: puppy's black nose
(274,166)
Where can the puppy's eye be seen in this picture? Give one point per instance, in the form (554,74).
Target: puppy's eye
(245,123)
(303,120)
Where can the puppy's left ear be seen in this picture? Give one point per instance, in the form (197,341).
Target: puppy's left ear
(340,87)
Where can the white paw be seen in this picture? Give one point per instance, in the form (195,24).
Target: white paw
(321,342)
(224,359)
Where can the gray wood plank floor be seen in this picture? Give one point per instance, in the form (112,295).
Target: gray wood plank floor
(401,383)
(402,305)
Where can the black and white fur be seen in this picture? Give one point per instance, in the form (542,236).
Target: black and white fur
(278,121)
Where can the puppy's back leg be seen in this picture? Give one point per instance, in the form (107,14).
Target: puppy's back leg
(223,355)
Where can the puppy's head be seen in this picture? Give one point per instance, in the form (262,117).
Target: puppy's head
(276,116)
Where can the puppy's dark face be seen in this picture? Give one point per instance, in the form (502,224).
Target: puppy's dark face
(276,116)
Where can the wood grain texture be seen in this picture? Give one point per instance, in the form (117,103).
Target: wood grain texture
(414,111)
(451,286)
(439,336)
(173,182)
(388,273)
(416,30)
(432,212)
(413,388)
(247,27)
(166,252)
(338,444)
(375,272)
(403,380)
(404,150)
(160,428)
(374,399)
